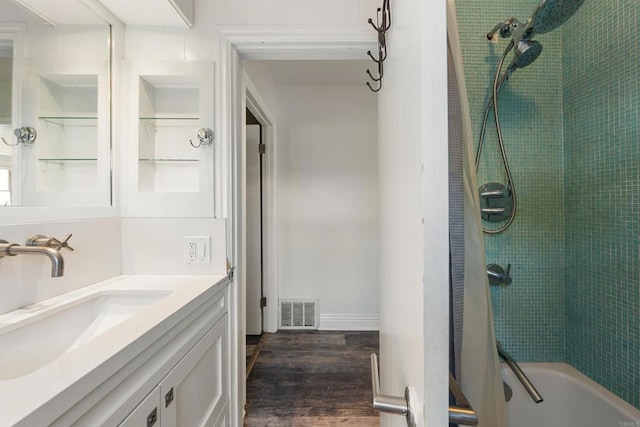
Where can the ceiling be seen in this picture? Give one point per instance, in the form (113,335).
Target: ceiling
(319,73)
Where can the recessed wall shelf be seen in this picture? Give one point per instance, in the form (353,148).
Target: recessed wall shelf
(68,105)
(170,102)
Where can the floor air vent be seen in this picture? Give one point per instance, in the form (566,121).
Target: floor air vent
(298,314)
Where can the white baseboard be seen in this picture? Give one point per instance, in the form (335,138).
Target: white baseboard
(348,322)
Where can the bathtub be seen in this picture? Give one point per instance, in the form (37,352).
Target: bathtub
(570,400)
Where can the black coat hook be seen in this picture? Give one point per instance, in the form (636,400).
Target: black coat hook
(375,90)
(382,25)
(377,61)
(373,78)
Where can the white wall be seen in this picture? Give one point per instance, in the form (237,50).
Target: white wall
(328,196)
(328,204)
(26,279)
(201,41)
(156,246)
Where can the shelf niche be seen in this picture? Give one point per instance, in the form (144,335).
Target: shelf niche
(168,118)
(67,143)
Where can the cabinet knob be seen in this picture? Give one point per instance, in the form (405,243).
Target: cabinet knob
(152,417)
(168,397)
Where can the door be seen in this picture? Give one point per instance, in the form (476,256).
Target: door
(194,393)
(254,227)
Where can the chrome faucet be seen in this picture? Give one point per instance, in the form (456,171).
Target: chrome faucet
(39,245)
(526,383)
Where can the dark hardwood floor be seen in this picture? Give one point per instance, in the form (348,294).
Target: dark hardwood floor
(254,345)
(312,378)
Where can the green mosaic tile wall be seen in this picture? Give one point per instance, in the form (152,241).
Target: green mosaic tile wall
(601,94)
(530,313)
(571,122)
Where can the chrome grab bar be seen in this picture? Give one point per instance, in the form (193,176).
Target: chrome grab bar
(464,414)
(526,383)
(390,404)
(402,406)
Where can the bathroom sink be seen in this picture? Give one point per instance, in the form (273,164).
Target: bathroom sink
(42,333)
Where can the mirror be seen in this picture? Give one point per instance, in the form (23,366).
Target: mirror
(55,106)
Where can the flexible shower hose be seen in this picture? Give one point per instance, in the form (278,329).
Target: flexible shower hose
(497,85)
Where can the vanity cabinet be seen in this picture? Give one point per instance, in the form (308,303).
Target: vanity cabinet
(179,378)
(69,163)
(169,170)
(194,393)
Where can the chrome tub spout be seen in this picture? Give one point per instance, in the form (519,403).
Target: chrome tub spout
(526,383)
(57,262)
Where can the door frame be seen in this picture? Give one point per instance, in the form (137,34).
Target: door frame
(236,90)
(257,106)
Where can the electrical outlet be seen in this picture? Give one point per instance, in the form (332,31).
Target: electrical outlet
(197,249)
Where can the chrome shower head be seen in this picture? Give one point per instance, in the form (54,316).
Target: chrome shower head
(527,51)
(550,14)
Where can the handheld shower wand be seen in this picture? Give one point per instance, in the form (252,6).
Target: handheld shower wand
(548,15)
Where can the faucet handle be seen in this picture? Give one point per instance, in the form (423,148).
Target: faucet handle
(498,276)
(57,244)
(49,242)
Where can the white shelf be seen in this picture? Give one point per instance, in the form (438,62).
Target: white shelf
(169,160)
(70,121)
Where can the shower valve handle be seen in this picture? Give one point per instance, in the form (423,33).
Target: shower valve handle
(498,276)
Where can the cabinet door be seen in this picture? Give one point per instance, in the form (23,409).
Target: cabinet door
(170,172)
(147,413)
(195,392)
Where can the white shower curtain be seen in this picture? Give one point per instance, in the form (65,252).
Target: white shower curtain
(480,376)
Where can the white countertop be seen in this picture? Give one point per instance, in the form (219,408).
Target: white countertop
(26,394)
